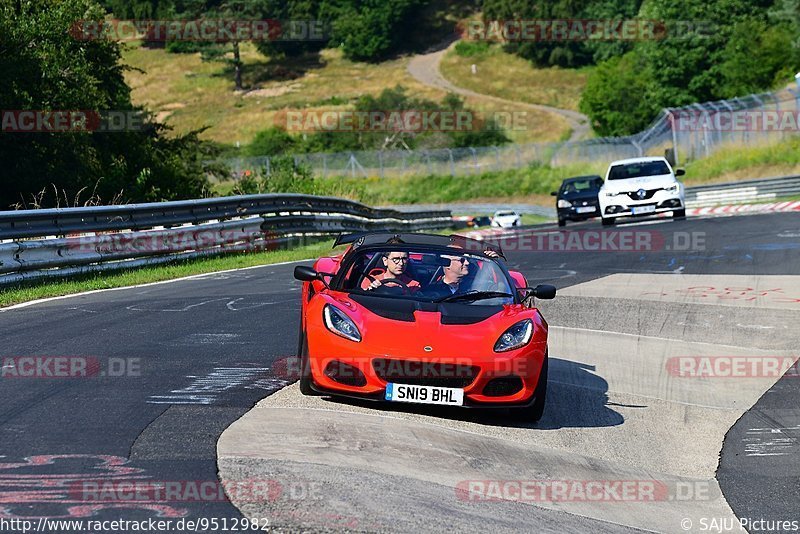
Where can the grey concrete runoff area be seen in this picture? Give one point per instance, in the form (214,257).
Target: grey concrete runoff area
(627,443)
(618,410)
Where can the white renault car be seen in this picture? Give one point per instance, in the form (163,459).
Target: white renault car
(641,186)
(506,219)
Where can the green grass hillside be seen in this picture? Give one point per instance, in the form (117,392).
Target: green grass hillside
(189,93)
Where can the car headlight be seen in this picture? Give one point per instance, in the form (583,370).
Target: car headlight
(610,194)
(515,337)
(340,324)
(673,188)
(564,203)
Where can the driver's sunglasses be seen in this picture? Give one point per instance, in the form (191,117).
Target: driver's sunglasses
(398,260)
(462,261)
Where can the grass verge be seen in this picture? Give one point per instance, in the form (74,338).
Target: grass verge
(530,184)
(743,163)
(33,290)
(533,184)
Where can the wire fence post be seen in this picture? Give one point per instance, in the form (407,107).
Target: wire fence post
(474,160)
(674,138)
(452,163)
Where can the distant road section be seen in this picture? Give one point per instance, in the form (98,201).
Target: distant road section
(425,68)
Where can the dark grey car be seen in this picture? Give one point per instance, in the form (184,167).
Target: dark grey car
(576,199)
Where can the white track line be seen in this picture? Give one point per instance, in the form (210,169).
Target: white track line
(149,284)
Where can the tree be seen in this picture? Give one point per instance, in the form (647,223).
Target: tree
(371,30)
(566,53)
(616,96)
(45,68)
(687,66)
(755,56)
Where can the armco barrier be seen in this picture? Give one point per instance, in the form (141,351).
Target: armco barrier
(61,242)
(745,191)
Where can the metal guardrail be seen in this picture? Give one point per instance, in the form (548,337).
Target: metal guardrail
(762,190)
(38,244)
(745,191)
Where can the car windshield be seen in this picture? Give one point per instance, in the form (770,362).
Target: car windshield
(428,276)
(505,214)
(638,170)
(578,186)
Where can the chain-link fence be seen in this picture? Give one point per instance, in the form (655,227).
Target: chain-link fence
(689,133)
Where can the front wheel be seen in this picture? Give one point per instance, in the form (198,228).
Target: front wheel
(608,221)
(562,222)
(534,412)
(305,366)
(679,214)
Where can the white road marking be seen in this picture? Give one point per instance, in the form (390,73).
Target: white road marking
(231,305)
(207,389)
(150,284)
(82,309)
(184,309)
(763,441)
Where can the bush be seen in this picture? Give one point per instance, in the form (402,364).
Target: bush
(616,97)
(471,48)
(271,142)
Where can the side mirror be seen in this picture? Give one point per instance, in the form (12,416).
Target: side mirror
(553,193)
(305,273)
(544,291)
(679,172)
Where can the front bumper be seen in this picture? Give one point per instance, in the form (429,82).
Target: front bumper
(499,379)
(623,206)
(506,224)
(571,214)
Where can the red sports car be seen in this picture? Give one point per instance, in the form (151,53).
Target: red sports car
(421,318)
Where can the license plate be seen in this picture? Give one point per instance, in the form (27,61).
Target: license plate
(424,394)
(587,209)
(636,210)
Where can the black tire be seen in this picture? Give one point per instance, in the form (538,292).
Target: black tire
(608,221)
(562,222)
(679,214)
(534,412)
(305,367)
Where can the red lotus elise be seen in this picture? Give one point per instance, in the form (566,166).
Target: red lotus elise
(421,318)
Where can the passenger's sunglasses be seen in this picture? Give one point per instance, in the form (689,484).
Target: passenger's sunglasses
(398,260)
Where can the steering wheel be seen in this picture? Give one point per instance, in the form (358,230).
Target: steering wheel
(385,281)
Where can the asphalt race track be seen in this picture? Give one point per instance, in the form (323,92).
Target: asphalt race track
(173,365)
